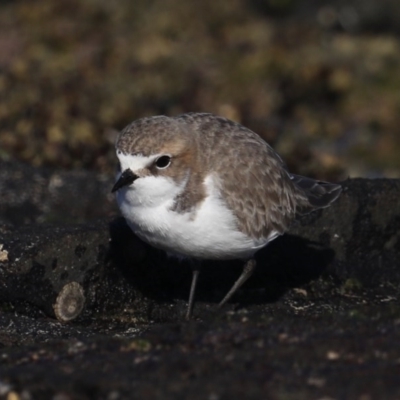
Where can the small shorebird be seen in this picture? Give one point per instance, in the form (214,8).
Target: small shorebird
(204,187)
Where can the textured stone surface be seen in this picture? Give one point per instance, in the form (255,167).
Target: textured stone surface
(319,319)
(30,195)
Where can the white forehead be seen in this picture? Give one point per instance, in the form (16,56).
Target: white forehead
(135,162)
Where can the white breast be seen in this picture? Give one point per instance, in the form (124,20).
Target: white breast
(209,232)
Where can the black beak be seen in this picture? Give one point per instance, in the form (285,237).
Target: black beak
(126,178)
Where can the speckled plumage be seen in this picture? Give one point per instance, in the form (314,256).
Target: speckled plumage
(251,176)
(225,193)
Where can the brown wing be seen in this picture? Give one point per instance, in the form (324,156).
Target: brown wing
(251,176)
(258,190)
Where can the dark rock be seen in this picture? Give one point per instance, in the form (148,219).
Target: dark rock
(30,195)
(319,318)
(43,261)
(352,245)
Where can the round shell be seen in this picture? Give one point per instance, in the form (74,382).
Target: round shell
(70,301)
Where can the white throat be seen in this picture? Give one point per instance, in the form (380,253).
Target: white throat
(210,231)
(149,190)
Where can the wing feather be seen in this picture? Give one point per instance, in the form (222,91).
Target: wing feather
(250,175)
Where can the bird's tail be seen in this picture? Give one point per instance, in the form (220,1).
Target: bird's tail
(318,194)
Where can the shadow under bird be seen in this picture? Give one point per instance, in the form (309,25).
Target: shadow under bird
(203,187)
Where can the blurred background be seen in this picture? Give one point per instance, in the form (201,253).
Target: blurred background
(319,80)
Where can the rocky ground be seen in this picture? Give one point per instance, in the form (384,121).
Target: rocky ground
(87,311)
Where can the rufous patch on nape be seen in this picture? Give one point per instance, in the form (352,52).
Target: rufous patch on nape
(204,187)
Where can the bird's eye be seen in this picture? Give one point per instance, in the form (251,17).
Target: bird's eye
(163,162)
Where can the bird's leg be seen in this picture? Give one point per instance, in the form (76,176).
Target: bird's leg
(248,270)
(196,272)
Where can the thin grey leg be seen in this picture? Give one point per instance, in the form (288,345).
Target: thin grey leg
(196,271)
(248,270)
